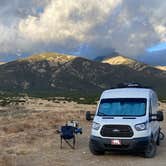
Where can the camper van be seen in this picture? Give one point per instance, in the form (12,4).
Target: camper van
(127,118)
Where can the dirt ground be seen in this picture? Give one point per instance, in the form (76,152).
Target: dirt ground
(28,138)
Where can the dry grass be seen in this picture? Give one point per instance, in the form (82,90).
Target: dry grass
(27,127)
(28,137)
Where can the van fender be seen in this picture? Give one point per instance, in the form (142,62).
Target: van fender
(154,135)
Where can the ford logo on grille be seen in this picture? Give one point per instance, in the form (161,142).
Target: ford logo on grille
(116,130)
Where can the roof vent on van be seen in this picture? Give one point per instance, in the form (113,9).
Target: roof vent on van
(130,85)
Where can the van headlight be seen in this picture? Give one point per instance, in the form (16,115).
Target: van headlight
(141,126)
(96,126)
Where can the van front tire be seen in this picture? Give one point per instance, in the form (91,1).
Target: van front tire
(95,149)
(150,150)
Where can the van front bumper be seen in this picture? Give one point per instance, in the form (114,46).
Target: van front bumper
(135,144)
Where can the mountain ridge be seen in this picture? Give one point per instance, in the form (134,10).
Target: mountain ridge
(54,74)
(161,68)
(119,59)
(49,56)
(1,63)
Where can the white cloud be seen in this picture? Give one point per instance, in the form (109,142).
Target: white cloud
(65,19)
(161,30)
(129,26)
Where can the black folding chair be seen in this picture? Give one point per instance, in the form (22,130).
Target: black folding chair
(67,133)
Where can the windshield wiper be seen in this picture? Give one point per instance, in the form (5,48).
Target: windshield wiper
(105,116)
(129,117)
(102,114)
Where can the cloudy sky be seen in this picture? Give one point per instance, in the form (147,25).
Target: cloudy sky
(134,28)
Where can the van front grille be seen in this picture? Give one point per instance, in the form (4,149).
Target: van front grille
(116,131)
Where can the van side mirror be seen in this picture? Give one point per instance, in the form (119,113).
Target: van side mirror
(89,116)
(160,116)
(157,117)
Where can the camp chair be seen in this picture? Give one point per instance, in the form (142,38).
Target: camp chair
(68,133)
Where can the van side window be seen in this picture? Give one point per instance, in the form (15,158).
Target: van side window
(154,103)
(150,107)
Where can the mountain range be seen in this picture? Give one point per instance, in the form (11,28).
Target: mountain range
(57,74)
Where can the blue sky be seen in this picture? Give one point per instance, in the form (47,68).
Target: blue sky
(88,28)
(157,47)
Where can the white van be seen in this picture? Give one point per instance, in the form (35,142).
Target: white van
(127,118)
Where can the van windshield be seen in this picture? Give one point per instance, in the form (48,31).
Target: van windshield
(122,107)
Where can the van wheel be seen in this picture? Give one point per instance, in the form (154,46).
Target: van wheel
(150,151)
(94,149)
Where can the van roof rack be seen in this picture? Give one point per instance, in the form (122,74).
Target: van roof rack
(131,85)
